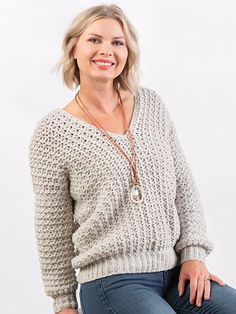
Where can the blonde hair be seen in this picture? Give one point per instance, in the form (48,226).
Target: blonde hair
(129,78)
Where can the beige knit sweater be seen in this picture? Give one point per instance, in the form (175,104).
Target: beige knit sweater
(83,215)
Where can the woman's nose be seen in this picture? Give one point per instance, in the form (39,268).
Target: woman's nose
(105,53)
(106,48)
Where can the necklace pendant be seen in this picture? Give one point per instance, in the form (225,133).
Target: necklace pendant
(136,194)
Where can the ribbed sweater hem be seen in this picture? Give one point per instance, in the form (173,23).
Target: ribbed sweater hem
(132,263)
(63,302)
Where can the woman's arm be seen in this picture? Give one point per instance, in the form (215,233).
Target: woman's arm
(54,224)
(193,243)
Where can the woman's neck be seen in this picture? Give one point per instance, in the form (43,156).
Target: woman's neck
(101,100)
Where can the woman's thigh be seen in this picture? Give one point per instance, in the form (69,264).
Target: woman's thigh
(222,299)
(138,293)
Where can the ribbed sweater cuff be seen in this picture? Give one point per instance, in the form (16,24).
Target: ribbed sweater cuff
(193,253)
(66,301)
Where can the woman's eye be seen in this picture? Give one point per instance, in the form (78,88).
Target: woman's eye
(91,39)
(119,43)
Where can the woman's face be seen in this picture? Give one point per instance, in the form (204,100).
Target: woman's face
(90,47)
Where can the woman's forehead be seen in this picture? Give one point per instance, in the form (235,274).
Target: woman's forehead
(110,28)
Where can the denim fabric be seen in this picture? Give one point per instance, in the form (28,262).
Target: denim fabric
(151,293)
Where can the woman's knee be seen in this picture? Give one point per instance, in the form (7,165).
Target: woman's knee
(222,300)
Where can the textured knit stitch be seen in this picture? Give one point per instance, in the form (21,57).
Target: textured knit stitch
(83,215)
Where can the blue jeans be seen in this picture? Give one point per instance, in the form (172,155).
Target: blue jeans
(151,293)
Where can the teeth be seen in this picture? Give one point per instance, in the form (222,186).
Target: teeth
(103,63)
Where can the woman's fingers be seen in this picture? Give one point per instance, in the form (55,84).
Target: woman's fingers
(217,279)
(196,272)
(181,284)
(207,291)
(200,290)
(193,288)
(199,287)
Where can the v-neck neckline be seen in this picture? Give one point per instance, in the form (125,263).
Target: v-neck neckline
(93,127)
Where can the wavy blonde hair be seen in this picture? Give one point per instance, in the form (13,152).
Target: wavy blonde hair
(129,77)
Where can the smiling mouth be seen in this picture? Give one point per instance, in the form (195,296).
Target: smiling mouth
(103,64)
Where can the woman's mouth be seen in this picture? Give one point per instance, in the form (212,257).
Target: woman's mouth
(103,65)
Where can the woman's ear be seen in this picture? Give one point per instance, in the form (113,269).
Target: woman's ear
(74,51)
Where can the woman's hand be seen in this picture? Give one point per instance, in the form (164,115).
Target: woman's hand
(195,272)
(68,311)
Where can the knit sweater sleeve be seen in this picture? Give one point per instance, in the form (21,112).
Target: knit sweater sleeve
(193,243)
(53,219)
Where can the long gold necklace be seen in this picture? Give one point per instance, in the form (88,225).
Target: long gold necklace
(135,193)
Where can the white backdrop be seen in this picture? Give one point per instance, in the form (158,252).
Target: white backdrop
(187,55)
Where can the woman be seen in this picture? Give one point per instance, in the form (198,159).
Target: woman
(114,195)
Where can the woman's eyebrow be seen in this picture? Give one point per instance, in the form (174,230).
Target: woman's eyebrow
(116,37)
